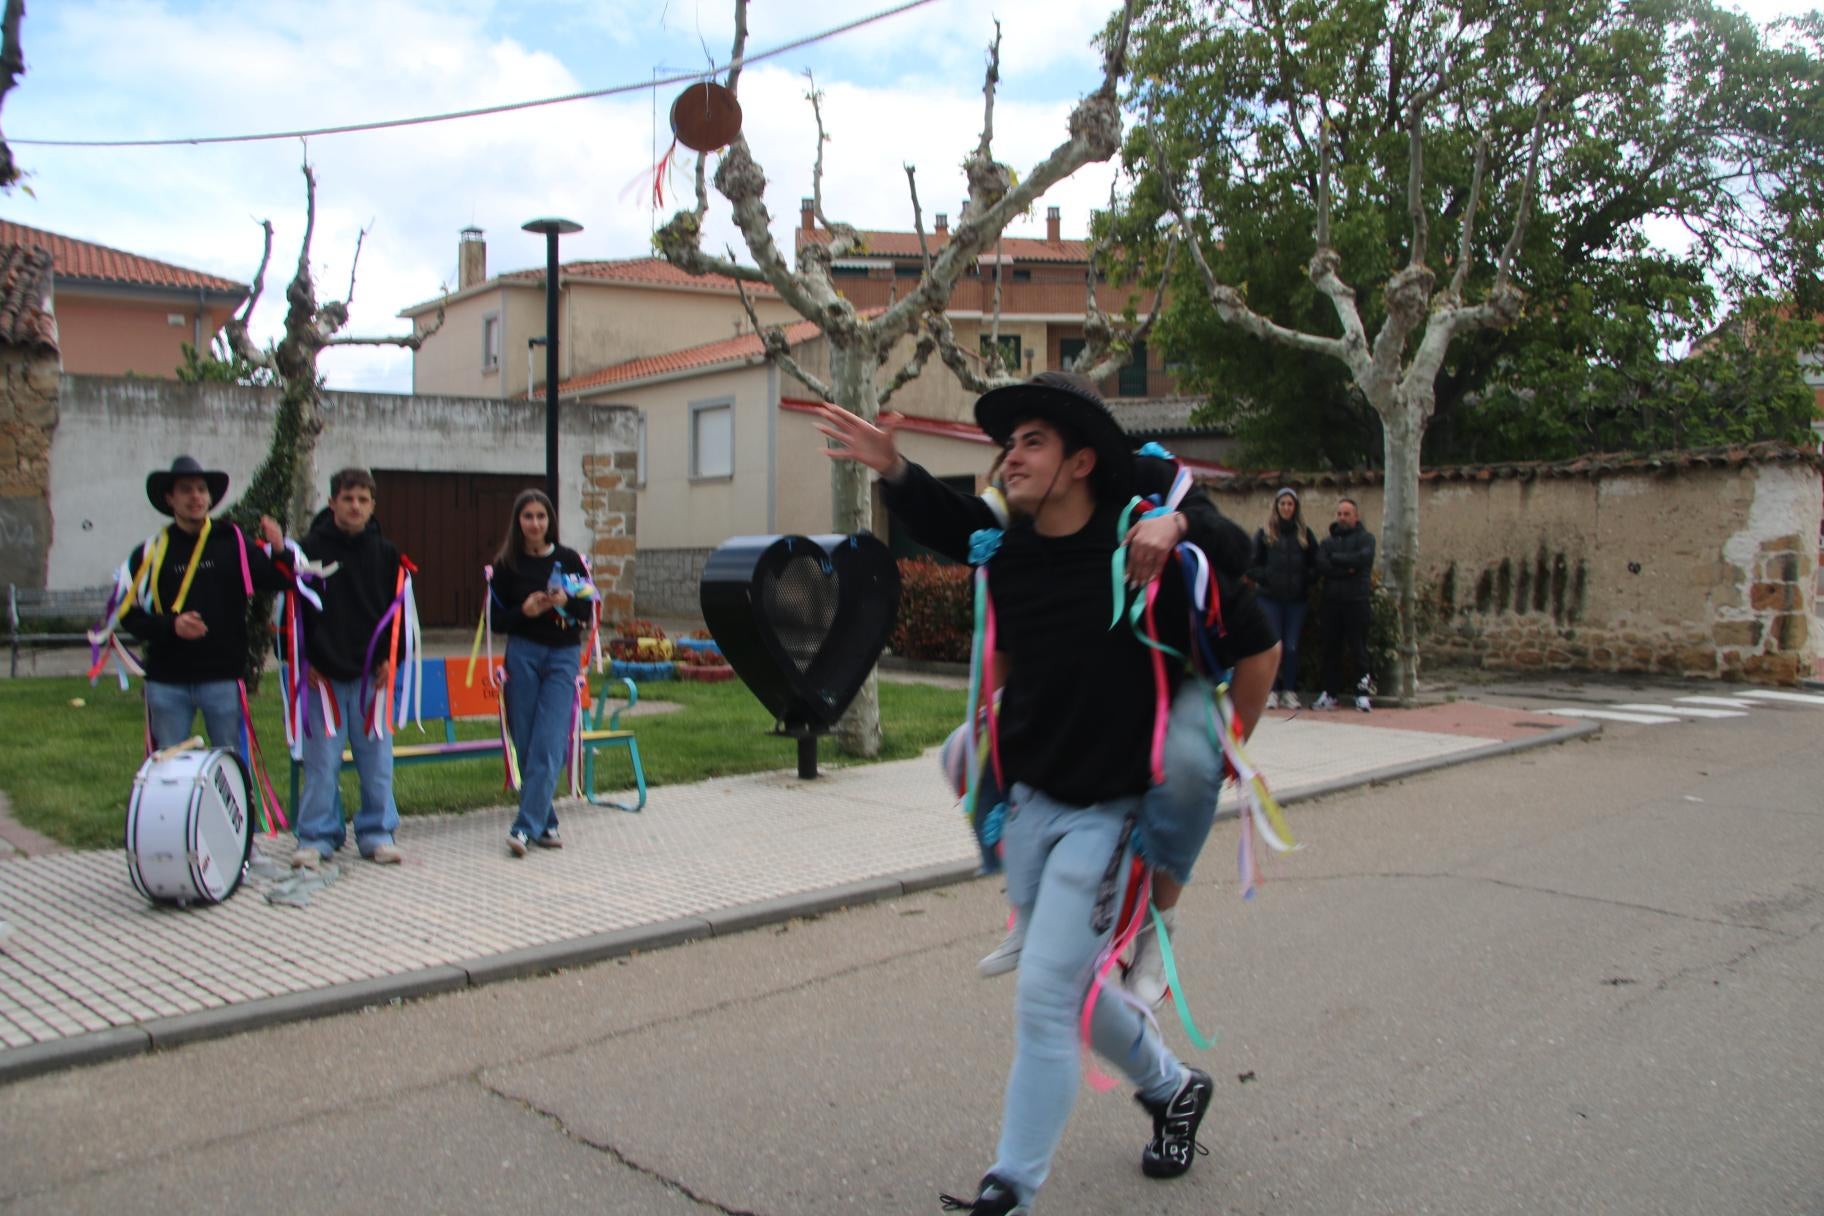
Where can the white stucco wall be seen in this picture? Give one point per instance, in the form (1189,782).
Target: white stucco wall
(112,432)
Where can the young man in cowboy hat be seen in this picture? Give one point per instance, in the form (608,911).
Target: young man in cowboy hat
(188,602)
(1075,751)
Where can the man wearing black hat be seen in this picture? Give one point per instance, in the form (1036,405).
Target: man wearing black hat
(1076,723)
(186,597)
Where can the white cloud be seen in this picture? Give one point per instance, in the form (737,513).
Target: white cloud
(240,67)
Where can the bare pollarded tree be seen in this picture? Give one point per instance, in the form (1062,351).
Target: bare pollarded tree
(12,67)
(283,485)
(860,347)
(1397,377)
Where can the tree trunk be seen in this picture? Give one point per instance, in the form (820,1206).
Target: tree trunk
(852,510)
(1403,427)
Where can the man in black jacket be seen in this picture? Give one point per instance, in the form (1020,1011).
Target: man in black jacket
(185,596)
(1346,560)
(345,654)
(1076,724)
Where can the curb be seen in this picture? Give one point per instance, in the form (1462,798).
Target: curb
(95,1047)
(1413,768)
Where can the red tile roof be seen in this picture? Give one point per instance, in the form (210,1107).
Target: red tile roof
(84,261)
(25,299)
(744,349)
(642,272)
(905,245)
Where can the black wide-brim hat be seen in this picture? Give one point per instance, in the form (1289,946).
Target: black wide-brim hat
(158,484)
(1070,402)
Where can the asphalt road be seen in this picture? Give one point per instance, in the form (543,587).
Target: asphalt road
(1586,979)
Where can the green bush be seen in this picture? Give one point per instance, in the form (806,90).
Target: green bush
(936,611)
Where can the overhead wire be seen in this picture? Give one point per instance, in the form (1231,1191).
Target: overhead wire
(479,111)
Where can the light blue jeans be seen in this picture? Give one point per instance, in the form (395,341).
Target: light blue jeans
(1056,857)
(1175,817)
(1288,617)
(541,691)
(172,708)
(320,823)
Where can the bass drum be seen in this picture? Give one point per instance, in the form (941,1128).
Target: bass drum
(188,831)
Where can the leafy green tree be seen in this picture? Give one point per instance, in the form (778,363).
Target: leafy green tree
(1494,170)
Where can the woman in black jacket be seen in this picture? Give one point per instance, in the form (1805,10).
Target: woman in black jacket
(545,629)
(1285,554)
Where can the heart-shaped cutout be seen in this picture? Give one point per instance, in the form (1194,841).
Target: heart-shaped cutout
(801,619)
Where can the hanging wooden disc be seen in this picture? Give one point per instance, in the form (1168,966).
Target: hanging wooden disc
(705,117)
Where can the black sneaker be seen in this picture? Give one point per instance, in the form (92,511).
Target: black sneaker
(997,1199)
(1174,1144)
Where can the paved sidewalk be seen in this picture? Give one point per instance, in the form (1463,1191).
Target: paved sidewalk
(89,970)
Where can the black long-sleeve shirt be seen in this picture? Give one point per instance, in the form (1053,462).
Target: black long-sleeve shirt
(1078,705)
(514,581)
(218,594)
(1346,560)
(355,597)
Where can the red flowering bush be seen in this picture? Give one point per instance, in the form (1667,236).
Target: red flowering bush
(936,611)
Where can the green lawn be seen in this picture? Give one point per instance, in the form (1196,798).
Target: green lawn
(68,768)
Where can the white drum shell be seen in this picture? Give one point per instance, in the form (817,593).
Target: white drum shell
(189,831)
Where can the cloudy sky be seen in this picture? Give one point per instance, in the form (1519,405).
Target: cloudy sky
(907,88)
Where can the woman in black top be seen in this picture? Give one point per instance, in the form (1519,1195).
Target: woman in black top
(545,629)
(1285,554)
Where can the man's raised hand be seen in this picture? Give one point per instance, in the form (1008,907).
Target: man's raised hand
(859,440)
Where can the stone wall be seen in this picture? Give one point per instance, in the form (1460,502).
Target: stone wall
(28,420)
(611,509)
(668,582)
(1701,564)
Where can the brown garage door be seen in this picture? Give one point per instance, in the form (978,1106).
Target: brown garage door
(450,524)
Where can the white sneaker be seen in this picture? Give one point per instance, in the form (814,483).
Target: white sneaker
(1324,701)
(1146,974)
(1362,703)
(1272,700)
(1006,956)
(1289,700)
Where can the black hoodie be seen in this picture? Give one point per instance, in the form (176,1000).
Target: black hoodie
(355,597)
(217,594)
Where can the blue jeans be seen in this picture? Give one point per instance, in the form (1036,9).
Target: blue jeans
(320,823)
(1175,817)
(540,692)
(1288,617)
(1056,856)
(172,709)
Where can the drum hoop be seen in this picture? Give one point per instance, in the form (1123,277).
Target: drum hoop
(139,883)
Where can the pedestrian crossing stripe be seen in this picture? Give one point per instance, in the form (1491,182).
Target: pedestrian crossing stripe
(1606,715)
(1647,713)
(1790,698)
(1684,711)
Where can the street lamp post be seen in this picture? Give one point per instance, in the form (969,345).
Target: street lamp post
(552,229)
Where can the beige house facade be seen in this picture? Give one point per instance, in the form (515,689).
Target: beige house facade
(608,312)
(729,447)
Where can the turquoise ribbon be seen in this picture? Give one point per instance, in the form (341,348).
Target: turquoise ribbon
(1171,978)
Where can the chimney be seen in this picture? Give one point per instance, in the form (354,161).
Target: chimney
(1054,222)
(943,223)
(807,213)
(471,259)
